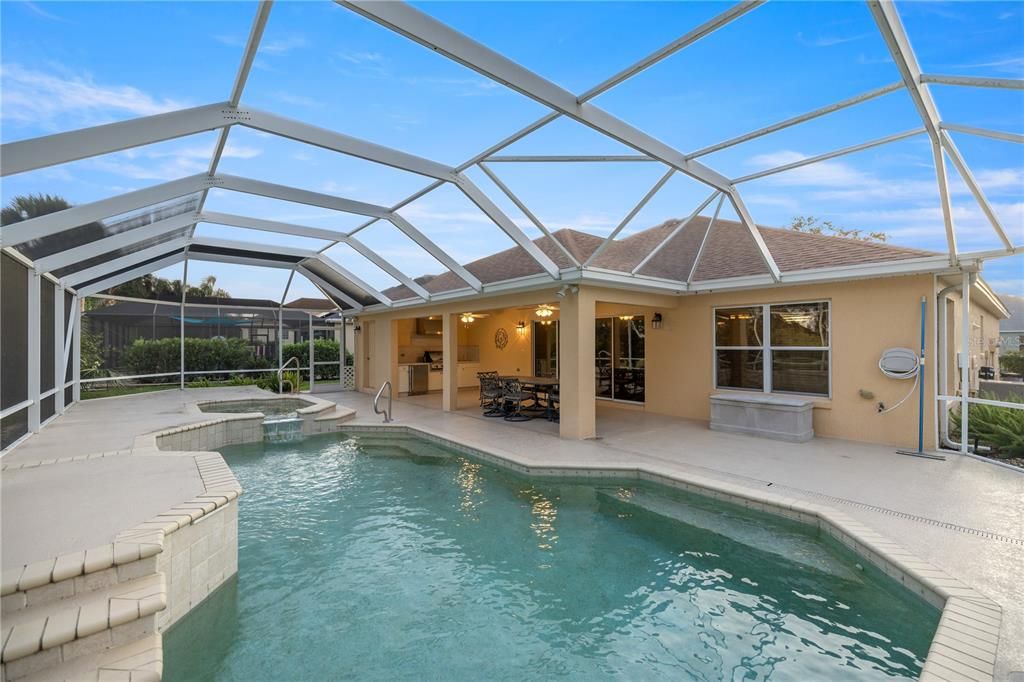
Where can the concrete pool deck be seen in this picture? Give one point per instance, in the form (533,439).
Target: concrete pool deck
(964,516)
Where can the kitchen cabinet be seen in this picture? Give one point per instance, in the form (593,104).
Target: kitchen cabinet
(403,378)
(467,374)
(436,381)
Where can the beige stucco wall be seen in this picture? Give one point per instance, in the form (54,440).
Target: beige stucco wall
(867,316)
(984,337)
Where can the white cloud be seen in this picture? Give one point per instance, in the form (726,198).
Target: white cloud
(230,41)
(34,97)
(333,187)
(361,57)
(282,46)
(39,11)
(162,163)
(828,40)
(238,151)
(296,100)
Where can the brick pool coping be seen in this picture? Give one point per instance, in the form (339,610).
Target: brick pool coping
(967,637)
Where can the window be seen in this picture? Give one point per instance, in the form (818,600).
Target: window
(783,348)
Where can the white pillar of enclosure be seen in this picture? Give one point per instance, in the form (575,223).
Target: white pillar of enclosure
(33,349)
(965,359)
(58,349)
(342,352)
(181,327)
(280,322)
(312,355)
(76,315)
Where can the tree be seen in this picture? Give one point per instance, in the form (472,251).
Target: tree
(811,225)
(27,206)
(151,286)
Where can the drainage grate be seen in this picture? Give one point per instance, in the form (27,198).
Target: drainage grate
(988,535)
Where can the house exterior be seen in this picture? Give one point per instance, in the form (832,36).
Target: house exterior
(682,312)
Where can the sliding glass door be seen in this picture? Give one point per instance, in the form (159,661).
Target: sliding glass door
(545,348)
(619,370)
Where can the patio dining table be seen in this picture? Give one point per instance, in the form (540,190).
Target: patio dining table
(539,385)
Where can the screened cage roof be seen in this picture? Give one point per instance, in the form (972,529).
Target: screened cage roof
(359,249)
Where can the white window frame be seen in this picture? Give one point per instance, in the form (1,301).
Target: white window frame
(767,349)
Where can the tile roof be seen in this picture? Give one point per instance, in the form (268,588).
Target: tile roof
(729,251)
(311,304)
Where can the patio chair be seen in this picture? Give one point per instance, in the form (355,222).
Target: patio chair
(491,396)
(553,400)
(514,400)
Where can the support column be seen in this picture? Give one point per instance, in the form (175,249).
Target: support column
(181,341)
(450,375)
(342,352)
(58,349)
(312,355)
(578,412)
(965,359)
(76,372)
(34,330)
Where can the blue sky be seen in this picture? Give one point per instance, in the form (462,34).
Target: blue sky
(69,65)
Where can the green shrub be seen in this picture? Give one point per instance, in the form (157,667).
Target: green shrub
(1012,362)
(242,380)
(326,350)
(999,427)
(289,382)
(202,382)
(217,356)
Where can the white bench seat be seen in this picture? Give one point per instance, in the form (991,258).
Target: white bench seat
(786,418)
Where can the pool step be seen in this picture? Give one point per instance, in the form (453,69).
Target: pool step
(803,548)
(338,415)
(38,638)
(139,661)
(391,445)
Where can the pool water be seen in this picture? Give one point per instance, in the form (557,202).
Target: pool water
(269,408)
(383,558)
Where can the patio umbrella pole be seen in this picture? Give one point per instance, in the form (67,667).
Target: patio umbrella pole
(920,395)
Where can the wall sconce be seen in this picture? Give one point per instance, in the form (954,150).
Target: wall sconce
(357,328)
(656,321)
(521,328)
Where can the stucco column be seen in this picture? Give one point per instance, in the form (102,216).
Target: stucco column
(450,376)
(358,356)
(578,413)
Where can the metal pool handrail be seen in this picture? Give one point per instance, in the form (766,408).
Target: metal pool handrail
(280,371)
(376,402)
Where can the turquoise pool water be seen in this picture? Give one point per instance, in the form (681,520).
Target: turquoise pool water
(271,407)
(372,559)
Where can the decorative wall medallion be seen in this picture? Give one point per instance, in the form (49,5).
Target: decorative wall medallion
(500,338)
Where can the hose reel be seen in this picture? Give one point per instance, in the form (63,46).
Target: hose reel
(900,364)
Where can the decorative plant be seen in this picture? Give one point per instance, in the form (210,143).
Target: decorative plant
(999,427)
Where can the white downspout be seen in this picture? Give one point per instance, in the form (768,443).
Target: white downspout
(965,364)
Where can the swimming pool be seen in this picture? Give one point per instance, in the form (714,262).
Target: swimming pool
(388,557)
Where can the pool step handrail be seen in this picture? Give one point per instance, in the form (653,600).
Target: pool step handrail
(376,402)
(280,373)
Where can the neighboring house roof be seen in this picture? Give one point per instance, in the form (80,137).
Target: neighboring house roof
(1015,305)
(311,304)
(729,251)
